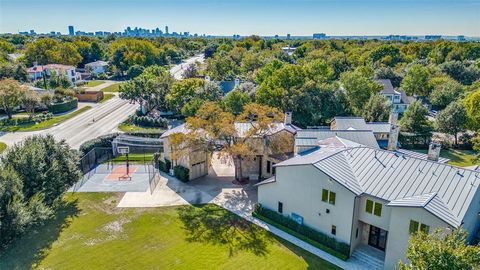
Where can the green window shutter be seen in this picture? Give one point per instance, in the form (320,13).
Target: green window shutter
(378,209)
(369,206)
(332,197)
(424,228)
(413,227)
(325,195)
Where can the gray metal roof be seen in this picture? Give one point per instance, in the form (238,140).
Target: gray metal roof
(387,86)
(420,155)
(392,176)
(266,181)
(379,127)
(432,203)
(347,122)
(311,137)
(241,127)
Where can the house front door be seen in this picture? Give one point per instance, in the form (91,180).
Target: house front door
(377,238)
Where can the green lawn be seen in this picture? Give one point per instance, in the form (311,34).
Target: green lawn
(106,97)
(112,88)
(91,233)
(126,127)
(45,124)
(94,83)
(3,146)
(460,158)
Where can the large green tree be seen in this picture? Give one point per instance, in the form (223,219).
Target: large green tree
(471,102)
(358,89)
(415,121)
(452,120)
(441,251)
(376,109)
(44,166)
(11,93)
(445,90)
(416,81)
(152,87)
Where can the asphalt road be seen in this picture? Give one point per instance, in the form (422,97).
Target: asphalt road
(81,128)
(107,117)
(177,71)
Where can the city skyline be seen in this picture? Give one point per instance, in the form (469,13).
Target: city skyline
(247,17)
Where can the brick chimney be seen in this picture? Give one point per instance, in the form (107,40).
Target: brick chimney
(288,118)
(393,137)
(434,151)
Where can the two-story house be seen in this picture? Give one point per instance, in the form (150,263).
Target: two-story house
(37,72)
(371,198)
(397,98)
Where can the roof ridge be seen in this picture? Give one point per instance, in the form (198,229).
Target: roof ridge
(417,158)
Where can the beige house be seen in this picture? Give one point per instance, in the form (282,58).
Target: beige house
(258,166)
(373,199)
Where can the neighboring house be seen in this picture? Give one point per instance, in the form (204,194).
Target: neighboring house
(96,67)
(373,199)
(397,98)
(36,72)
(259,166)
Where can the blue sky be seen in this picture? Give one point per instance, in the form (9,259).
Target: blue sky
(245,17)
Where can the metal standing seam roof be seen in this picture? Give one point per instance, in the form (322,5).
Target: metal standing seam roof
(311,137)
(432,203)
(241,127)
(379,127)
(347,122)
(392,176)
(420,155)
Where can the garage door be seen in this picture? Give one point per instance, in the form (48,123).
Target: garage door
(198,170)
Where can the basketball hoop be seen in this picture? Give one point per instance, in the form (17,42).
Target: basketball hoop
(123,150)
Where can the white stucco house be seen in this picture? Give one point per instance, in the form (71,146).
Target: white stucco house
(36,72)
(398,98)
(371,198)
(96,67)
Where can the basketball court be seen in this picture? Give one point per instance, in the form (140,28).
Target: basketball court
(115,178)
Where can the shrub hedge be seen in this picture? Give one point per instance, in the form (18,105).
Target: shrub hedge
(181,173)
(148,121)
(64,106)
(322,239)
(102,141)
(26,120)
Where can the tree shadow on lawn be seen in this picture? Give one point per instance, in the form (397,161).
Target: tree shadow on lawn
(211,224)
(31,248)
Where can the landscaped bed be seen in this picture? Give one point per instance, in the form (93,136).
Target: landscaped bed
(43,124)
(91,233)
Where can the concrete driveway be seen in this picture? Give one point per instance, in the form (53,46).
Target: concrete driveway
(217,187)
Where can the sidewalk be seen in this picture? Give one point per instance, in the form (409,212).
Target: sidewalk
(292,239)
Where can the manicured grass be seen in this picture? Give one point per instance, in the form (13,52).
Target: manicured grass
(94,83)
(134,158)
(126,127)
(45,124)
(3,146)
(89,232)
(112,88)
(106,97)
(460,158)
